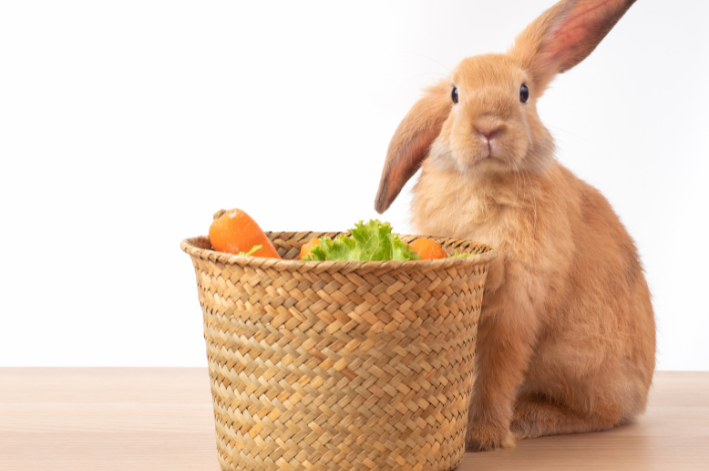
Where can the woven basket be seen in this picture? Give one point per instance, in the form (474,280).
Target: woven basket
(339,365)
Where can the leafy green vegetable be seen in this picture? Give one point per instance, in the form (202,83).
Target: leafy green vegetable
(461,255)
(250,252)
(368,242)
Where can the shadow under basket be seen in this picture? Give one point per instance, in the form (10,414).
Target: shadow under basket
(340,365)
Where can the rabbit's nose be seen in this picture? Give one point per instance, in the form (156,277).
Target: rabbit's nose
(487,133)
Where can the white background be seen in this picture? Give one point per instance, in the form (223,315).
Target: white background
(125,125)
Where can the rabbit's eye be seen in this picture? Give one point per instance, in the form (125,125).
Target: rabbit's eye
(523,93)
(454,95)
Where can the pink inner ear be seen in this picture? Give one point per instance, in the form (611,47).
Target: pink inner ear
(581,31)
(408,164)
(405,165)
(411,142)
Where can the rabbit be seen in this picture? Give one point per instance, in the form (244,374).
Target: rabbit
(566,336)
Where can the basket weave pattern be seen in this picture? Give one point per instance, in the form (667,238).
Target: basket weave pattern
(339,365)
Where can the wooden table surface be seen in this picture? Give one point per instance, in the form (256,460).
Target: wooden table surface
(161,419)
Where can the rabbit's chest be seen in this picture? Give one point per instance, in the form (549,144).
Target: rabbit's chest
(452,206)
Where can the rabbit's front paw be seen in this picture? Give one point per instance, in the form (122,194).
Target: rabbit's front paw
(483,437)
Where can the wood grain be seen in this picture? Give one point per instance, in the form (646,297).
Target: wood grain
(161,419)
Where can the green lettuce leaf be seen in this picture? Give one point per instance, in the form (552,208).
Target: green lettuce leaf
(368,242)
(461,255)
(401,250)
(250,252)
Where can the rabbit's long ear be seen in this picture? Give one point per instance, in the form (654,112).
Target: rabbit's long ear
(565,35)
(411,142)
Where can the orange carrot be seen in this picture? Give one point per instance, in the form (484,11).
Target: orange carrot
(305,250)
(428,249)
(234,231)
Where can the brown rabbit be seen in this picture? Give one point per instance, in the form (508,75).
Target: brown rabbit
(566,340)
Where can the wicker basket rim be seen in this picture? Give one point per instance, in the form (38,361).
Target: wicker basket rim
(189,246)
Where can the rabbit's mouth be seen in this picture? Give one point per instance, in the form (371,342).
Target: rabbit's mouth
(487,159)
(471,152)
(483,149)
(500,153)
(487,152)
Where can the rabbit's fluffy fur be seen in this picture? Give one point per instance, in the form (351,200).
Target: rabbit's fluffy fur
(566,340)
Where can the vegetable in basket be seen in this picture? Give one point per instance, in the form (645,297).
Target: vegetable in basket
(305,249)
(236,232)
(428,249)
(373,241)
(368,242)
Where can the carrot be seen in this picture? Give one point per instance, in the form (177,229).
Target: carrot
(305,250)
(234,231)
(428,249)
